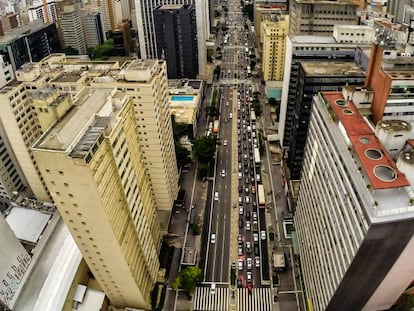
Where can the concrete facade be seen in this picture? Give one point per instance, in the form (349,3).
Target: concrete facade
(110,210)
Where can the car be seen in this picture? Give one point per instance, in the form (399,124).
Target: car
(213,288)
(256,249)
(225,120)
(225,142)
(241,210)
(213,238)
(254,215)
(240,223)
(257,262)
(239,239)
(247,199)
(239,283)
(240,189)
(233,265)
(230,116)
(258,177)
(216,196)
(255,226)
(263,235)
(223,173)
(253,189)
(249,277)
(247,215)
(240,250)
(240,175)
(249,264)
(248,247)
(248,225)
(246,189)
(249,287)
(240,166)
(240,264)
(255,237)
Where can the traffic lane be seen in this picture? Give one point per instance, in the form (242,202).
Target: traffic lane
(264,249)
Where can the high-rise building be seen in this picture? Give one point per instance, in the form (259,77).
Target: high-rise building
(303,48)
(29,43)
(46,11)
(315,76)
(318,17)
(274,42)
(92,26)
(112,12)
(92,162)
(176,33)
(72,28)
(396,8)
(390,75)
(354,218)
(146,28)
(146,82)
(6,72)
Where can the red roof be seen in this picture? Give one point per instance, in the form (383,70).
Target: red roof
(375,159)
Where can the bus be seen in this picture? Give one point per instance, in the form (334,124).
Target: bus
(216,127)
(256,157)
(252,115)
(249,71)
(261,195)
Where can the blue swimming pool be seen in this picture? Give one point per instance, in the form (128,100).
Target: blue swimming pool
(182,98)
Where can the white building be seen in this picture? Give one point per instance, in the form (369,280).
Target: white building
(39,11)
(355,213)
(354,34)
(6,72)
(71,24)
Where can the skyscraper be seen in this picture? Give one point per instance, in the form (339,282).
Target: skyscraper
(146,28)
(92,25)
(354,216)
(274,43)
(317,17)
(92,162)
(72,28)
(176,33)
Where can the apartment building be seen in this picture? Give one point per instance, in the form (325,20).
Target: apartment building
(310,17)
(355,215)
(274,34)
(92,162)
(72,28)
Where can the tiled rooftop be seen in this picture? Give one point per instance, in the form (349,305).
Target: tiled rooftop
(374,158)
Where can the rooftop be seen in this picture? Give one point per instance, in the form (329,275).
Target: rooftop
(171,6)
(374,158)
(394,125)
(323,68)
(22,31)
(67,77)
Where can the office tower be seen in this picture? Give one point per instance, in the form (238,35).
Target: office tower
(318,17)
(122,38)
(92,162)
(315,76)
(112,12)
(176,33)
(20,126)
(354,216)
(71,24)
(274,38)
(14,263)
(92,26)
(147,36)
(390,75)
(29,43)
(146,82)
(302,48)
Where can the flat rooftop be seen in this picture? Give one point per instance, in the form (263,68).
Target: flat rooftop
(68,77)
(22,31)
(171,6)
(324,68)
(378,165)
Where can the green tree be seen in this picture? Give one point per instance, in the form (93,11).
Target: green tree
(272,101)
(70,51)
(103,51)
(204,148)
(248,11)
(212,111)
(188,278)
(217,71)
(182,155)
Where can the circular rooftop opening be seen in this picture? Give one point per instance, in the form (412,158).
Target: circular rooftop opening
(373,154)
(385,173)
(347,111)
(364,140)
(341,102)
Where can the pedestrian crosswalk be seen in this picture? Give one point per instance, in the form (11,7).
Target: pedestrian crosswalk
(259,299)
(204,300)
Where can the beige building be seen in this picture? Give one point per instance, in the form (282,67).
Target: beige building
(146,82)
(274,43)
(317,17)
(93,165)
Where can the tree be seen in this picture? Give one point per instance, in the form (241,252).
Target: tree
(217,71)
(212,111)
(272,101)
(248,11)
(103,51)
(188,278)
(204,148)
(182,155)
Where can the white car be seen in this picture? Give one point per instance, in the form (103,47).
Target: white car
(230,115)
(249,264)
(248,225)
(240,264)
(213,238)
(213,288)
(255,237)
(263,235)
(257,262)
(241,210)
(223,173)
(225,142)
(216,196)
(247,199)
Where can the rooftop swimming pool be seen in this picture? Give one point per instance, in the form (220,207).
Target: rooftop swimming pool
(182,98)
